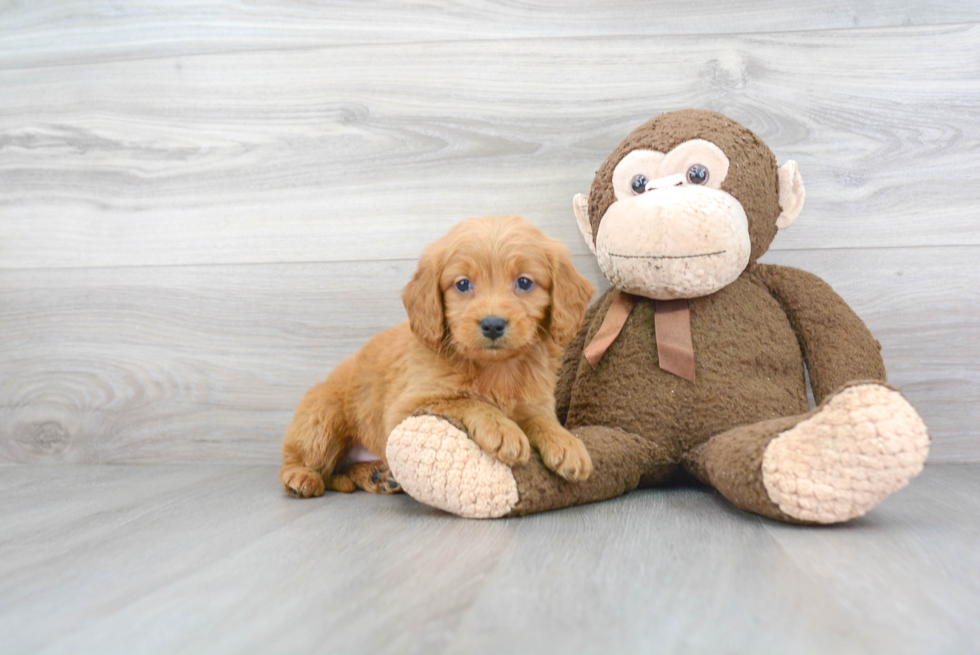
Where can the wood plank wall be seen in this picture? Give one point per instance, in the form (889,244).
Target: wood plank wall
(204,206)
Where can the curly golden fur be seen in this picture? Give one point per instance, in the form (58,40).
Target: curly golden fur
(490,307)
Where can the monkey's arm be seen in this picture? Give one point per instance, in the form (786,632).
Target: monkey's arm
(570,359)
(837,345)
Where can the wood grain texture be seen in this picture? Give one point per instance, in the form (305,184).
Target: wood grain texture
(936,515)
(184,364)
(218,559)
(312,154)
(39,34)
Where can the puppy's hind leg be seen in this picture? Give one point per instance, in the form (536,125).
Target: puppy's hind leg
(375,477)
(317,439)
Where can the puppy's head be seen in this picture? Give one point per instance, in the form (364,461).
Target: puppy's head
(493,286)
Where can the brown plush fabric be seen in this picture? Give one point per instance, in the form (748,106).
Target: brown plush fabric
(621,461)
(731,462)
(750,387)
(837,346)
(744,425)
(563,391)
(748,361)
(751,340)
(752,178)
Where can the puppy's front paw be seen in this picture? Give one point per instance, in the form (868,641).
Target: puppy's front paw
(503,439)
(301,482)
(566,455)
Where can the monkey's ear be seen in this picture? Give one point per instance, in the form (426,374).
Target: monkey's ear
(581,205)
(422,298)
(791,194)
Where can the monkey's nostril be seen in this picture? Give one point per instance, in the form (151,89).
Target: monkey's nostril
(493,327)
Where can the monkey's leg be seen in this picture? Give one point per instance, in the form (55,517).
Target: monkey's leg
(438,464)
(827,466)
(621,462)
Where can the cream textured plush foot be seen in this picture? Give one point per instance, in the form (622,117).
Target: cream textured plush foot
(863,445)
(439,465)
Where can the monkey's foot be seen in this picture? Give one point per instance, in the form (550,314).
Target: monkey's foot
(863,444)
(439,465)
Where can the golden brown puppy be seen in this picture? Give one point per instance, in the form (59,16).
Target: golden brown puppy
(489,308)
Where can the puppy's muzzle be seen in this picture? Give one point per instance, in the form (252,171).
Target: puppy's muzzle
(493,327)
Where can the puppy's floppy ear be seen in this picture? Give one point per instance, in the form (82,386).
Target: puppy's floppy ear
(570,295)
(422,298)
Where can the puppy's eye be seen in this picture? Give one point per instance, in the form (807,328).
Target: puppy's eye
(525,283)
(463,285)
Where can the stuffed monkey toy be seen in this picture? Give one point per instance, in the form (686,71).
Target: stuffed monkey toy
(692,363)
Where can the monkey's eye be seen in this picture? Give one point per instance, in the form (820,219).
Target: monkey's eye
(639,184)
(524,283)
(697,174)
(463,285)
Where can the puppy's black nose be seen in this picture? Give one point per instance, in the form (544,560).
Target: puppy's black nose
(493,326)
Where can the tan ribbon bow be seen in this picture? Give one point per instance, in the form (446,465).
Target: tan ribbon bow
(672,324)
(611,326)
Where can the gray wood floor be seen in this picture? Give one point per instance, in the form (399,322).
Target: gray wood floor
(216,559)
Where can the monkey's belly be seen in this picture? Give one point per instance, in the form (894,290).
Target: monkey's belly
(748,365)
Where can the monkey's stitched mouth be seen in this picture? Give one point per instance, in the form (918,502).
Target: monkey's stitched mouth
(707,254)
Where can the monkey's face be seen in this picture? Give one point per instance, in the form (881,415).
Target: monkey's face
(684,204)
(672,232)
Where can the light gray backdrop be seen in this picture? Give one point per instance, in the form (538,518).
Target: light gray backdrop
(205,206)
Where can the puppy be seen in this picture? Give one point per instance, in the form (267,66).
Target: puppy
(489,309)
